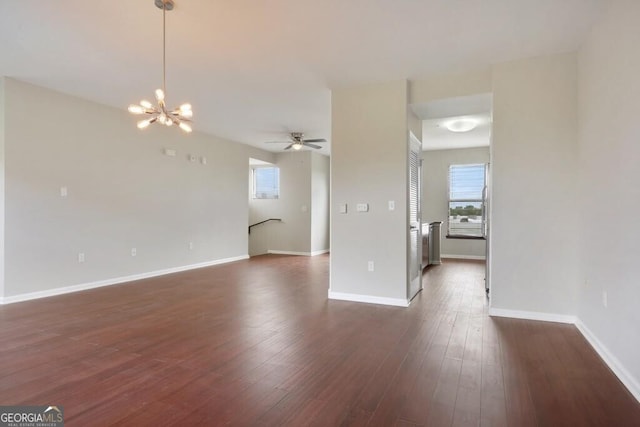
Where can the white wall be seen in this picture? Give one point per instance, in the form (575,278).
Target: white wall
(534,220)
(302,206)
(2,235)
(435,182)
(609,175)
(320,174)
(369,165)
(122,193)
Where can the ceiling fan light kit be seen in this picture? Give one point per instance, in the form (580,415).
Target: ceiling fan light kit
(159,113)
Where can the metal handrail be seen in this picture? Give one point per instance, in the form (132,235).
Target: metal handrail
(262,222)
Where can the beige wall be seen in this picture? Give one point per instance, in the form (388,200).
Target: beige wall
(369,165)
(435,198)
(320,181)
(123,193)
(609,156)
(534,150)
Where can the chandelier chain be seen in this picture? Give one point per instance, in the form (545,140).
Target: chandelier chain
(164,48)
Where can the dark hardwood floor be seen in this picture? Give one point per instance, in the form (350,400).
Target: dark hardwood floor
(257,343)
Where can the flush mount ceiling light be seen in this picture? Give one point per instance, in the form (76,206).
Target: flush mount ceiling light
(159,113)
(461,125)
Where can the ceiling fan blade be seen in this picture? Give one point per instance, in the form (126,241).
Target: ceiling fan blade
(315,140)
(288,147)
(306,144)
(277,142)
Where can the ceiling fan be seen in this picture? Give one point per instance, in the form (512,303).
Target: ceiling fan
(296,142)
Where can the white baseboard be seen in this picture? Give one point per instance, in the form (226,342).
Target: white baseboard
(478,257)
(298,253)
(324,251)
(632,384)
(532,315)
(398,302)
(114,281)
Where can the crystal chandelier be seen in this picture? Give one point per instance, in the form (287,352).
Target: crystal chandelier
(159,113)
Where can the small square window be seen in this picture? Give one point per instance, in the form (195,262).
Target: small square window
(266,183)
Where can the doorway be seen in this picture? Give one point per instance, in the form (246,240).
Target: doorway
(456,137)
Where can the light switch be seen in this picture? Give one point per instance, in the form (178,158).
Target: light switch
(392,205)
(362,207)
(63,192)
(343,208)
(203,160)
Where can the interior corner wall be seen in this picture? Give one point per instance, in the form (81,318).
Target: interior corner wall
(123,192)
(294,207)
(435,198)
(369,147)
(534,262)
(414,124)
(609,100)
(294,233)
(320,174)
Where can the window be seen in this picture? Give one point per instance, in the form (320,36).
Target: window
(266,183)
(466,201)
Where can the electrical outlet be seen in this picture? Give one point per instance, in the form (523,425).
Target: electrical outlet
(64,192)
(81,257)
(134,252)
(370,266)
(605,299)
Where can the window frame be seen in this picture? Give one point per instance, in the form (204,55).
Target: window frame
(481,200)
(262,196)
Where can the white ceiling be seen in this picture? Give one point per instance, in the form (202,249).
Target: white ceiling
(254,69)
(435,136)
(436,114)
